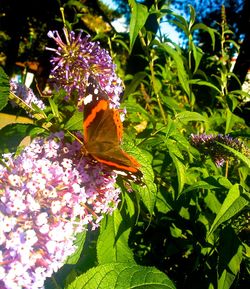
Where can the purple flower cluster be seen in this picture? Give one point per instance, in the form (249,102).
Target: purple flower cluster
(26,94)
(50,191)
(48,194)
(207,144)
(76,59)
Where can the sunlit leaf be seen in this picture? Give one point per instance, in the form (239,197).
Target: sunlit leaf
(79,242)
(139,16)
(112,244)
(122,276)
(147,190)
(75,122)
(4,88)
(190,116)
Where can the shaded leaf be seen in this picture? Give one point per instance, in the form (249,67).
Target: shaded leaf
(11,135)
(206,28)
(200,185)
(204,83)
(182,75)
(230,257)
(136,80)
(234,202)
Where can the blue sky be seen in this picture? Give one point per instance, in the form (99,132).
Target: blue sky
(165,27)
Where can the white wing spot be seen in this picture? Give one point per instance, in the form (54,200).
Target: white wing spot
(88,99)
(120,173)
(96,91)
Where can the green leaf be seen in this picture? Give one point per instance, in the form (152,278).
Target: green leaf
(232,101)
(54,107)
(240,92)
(112,244)
(180,168)
(200,185)
(79,242)
(230,257)
(75,122)
(197,53)
(180,22)
(232,120)
(233,43)
(203,83)
(11,135)
(133,107)
(192,15)
(139,17)
(206,28)
(148,190)
(157,85)
(182,75)
(4,88)
(123,43)
(176,232)
(225,182)
(212,202)
(122,276)
(136,80)
(190,116)
(234,202)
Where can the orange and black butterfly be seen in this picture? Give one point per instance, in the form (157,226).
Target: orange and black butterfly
(103,131)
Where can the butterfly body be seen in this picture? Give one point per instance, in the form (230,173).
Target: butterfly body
(103,133)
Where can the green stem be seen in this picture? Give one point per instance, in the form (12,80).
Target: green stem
(151,67)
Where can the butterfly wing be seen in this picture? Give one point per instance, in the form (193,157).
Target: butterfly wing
(103,133)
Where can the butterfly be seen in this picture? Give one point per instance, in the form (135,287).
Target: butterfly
(103,131)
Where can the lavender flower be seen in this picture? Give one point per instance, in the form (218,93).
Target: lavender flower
(48,194)
(207,144)
(76,59)
(25,94)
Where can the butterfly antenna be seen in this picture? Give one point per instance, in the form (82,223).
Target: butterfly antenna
(75,137)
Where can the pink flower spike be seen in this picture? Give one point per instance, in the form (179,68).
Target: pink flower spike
(75,60)
(48,194)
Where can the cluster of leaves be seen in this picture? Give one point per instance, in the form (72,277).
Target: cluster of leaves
(190,220)
(191,234)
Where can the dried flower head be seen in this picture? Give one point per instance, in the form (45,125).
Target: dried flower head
(208,144)
(47,195)
(76,59)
